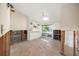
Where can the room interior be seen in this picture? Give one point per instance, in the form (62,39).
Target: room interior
(22,22)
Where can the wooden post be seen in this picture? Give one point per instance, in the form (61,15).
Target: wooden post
(62,42)
(74,51)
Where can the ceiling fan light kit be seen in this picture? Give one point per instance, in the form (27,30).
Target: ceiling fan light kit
(45,18)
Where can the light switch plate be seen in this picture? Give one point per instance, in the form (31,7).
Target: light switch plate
(1,29)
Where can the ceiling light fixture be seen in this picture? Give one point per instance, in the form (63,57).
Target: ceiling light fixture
(44,17)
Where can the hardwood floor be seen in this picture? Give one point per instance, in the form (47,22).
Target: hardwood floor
(37,47)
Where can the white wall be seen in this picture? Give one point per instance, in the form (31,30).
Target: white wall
(4,18)
(56,26)
(34,33)
(18,21)
(69,17)
(69,22)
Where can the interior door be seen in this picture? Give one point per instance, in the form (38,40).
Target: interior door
(69,43)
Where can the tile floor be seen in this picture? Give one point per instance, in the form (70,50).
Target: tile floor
(37,47)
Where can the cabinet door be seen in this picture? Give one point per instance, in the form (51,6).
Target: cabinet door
(23,35)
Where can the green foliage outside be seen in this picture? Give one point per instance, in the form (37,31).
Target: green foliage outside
(45,28)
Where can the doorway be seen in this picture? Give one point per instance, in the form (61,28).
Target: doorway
(47,31)
(76,43)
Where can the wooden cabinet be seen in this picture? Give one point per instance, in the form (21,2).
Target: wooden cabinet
(18,36)
(60,35)
(5,45)
(57,34)
(23,35)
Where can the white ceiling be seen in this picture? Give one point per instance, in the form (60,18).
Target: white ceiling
(34,11)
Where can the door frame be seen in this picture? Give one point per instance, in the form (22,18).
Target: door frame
(62,42)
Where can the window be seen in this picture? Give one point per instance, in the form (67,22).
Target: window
(46,28)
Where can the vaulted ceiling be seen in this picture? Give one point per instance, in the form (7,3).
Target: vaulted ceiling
(34,11)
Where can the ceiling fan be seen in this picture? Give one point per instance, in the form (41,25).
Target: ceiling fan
(11,7)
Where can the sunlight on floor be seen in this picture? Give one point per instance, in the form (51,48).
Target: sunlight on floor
(37,47)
